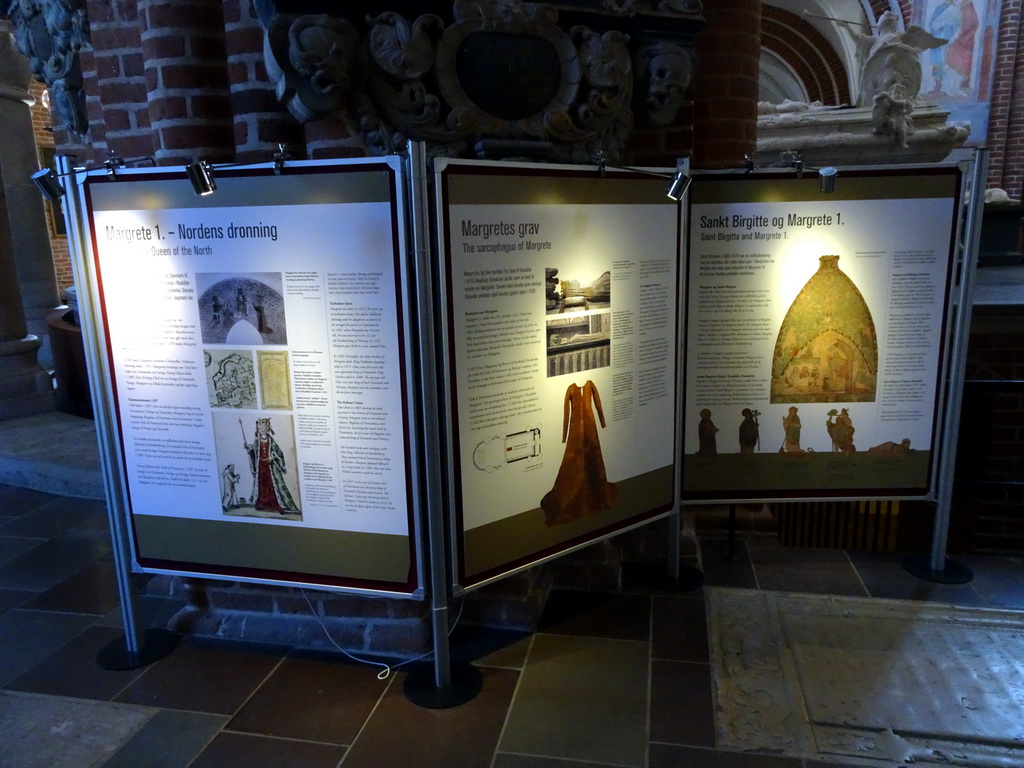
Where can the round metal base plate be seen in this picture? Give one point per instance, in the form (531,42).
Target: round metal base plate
(951,573)
(421,689)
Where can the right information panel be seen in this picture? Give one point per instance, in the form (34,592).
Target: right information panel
(814,336)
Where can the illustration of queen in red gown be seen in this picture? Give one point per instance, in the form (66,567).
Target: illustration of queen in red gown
(581,488)
(266,460)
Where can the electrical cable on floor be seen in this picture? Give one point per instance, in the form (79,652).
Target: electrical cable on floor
(385,673)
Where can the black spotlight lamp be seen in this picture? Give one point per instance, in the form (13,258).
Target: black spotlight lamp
(678,186)
(827,180)
(200,174)
(48,184)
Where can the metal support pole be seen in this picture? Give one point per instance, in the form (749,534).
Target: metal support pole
(679,577)
(442,684)
(937,567)
(138,647)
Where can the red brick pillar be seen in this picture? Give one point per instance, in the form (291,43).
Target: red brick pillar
(260,121)
(118,118)
(726,86)
(115,87)
(187,80)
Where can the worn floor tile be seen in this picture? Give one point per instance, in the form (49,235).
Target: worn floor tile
(490,646)
(17,501)
(49,564)
(832,578)
(54,732)
(12,598)
(999,580)
(884,576)
(769,550)
(402,734)
(315,697)
(11,546)
(204,676)
(170,740)
(581,698)
(668,756)
(722,571)
(55,517)
(682,709)
(28,637)
(72,670)
(92,590)
(652,578)
(531,761)
(679,629)
(597,614)
(237,749)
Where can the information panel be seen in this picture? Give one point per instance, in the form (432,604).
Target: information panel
(561,339)
(815,327)
(256,353)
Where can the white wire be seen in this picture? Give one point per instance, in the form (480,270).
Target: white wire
(385,673)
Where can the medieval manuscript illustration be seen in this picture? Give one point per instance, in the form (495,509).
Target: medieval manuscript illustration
(274,380)
(230,379)
(827,347)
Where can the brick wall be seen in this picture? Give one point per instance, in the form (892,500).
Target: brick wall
(186,80)
(260,122)
(726,90)
(1006,118)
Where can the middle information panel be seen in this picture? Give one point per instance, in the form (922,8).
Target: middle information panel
(561,333)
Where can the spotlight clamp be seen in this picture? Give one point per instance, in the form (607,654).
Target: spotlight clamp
(679,182)
(47,180)
(826,175)
(281,157)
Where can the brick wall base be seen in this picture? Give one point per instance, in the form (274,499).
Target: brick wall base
(390,627)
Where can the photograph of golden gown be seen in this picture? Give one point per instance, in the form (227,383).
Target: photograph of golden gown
(581,488)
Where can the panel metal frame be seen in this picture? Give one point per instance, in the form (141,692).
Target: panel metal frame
(461,584)
(83,257)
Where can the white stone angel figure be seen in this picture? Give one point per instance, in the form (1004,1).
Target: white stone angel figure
(890,58)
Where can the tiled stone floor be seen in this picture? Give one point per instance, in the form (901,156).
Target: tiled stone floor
(609,680)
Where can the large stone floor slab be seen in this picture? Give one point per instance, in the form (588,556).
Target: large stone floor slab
(864,680)
(582,699)
(52,452)
(63,733)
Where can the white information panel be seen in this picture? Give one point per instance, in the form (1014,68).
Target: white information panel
(256,354)
(815,328)
(561,318)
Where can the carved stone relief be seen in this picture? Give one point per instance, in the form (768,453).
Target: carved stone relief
(665,72)
(51,33)
(500,78)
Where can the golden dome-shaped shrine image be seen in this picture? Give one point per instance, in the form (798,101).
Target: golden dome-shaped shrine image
(827,349)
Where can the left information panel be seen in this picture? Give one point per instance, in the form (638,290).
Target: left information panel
(257,362)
